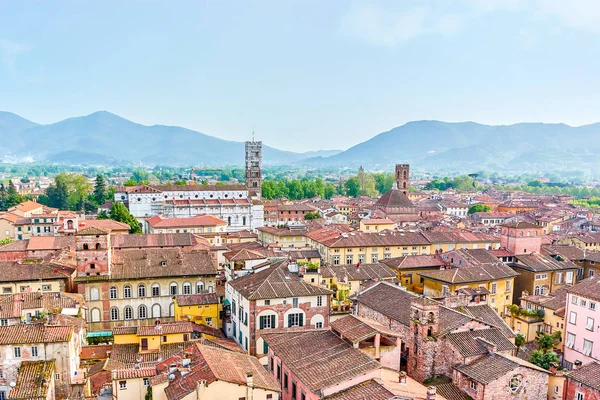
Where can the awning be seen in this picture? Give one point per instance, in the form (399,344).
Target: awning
(99,334)
(226,302)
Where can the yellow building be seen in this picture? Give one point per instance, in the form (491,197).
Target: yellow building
(282,237)
(132,383)
(498,281)
(587,241)
(203,309)
(7,225)
(409,268)
(346,280)
(376,225)
(151,338)
(443,241)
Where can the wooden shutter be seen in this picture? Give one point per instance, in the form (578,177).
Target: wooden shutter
(300,319)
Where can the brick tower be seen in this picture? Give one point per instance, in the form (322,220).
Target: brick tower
(254,166)
(424,326)
(402,177)
(92,246)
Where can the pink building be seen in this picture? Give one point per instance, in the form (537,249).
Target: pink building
(582,326)
(521,238)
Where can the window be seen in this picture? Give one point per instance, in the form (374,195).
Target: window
(199,287)
(508,288)
(319,325)
(541,276)
(266,322)
(587,347)
(208,321)
(349,259)
(156,311)
(295,302)
(128,312)
(590,324)
(141,290)
(155,290)
(95,315)
(319,301)
(146,382)
(361,258)
(473,385)
(57,377)
(573,317)
(559,278)
(580,396)
(285,381)
(127,292)
(536,291)
(336,260)
(142,312)
(570,340)
(374,258)
(113,292)
(569,279)
(445,291)
(122,385)
(574,300)
(17,351)
(173,288)
(515,383)
(3,322)
(592,305)
(46,288)
(94,294)
(187,288)
(114,314)
(295,319)
(494,287)
(267,302)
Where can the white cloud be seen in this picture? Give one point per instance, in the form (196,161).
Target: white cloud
(9,51)
(575,14)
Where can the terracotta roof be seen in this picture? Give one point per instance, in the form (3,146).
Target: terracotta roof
(283,231)
(95,352)
(33,381)
(394,199)
(389,300)
(487,369)
(459,236)
(485,313)
(376,221)
(476,256)
(14,271)
(319,359)
(541,263)
(353,329)
(588,374)
(103,224)
(152,263)
(243,255)
(385,238)
(366,390)
(410,262)
(12,305)
(275,282)
(571,253)
(472,274)
(132,373)
(451,392)
(153,240)
(27,206)
(467,344)
(159,221)
(34,333)
(197,299)
(296,207)
(92,230)
(343,273)
(50,242)
(521,225)
(589,288)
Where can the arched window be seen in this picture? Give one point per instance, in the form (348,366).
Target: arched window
(199,287)
(95,315)
(127,292)
(114,314)
(85,246)
(94,295)
(141,290)
(173,288)
(112,292)
(155,290)
(537,290)
(97,246)
(171,310)
(128,311)
(187,288)
(69,224)
(405,175)
(244,221)
(142,312)
(156,311)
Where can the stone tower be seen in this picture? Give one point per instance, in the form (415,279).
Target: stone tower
(254,166)
(402,177)
(93,251)
(424,326)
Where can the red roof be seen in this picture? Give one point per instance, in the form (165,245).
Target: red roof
(198,220)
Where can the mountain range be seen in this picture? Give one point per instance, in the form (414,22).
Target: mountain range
(105,138)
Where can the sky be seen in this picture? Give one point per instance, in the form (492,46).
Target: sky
(304,75)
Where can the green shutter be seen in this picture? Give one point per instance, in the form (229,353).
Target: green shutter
(289,320)
(272,321)
(261,322)
(301,320)
(265,347)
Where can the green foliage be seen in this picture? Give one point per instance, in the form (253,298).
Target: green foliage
(462,183)
(180,183)
(130,182)
(519,340)
(536,183)
(312,215)
(6,241)
(148,395)
(57,195)
(9,196)
(592,202)
(118,212)
(352,187)
(547,342)
(329,190)
(479,208)
(100,340)
(543,359)
(100,191)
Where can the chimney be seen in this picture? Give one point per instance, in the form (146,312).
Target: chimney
(431,393)
(249,386)
(402,377)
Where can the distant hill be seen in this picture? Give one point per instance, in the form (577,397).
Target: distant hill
(468,146)
(106,138)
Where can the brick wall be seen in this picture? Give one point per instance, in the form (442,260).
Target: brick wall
(572,388)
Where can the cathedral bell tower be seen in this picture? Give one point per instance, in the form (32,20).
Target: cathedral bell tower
(254,166)
(402,177)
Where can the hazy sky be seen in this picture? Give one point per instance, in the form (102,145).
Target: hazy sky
(305,74)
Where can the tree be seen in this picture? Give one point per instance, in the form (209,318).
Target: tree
(479,208)
(352,187)
(58,195)
(130,182)
(312,215)
(519,341)
(148,395)
(269,190)
(100,192)
(118,212)
(366,183)
(140,176)
(296,192)
(543,359)
(547,342)
(536,183)
(329,190)
(6,241)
